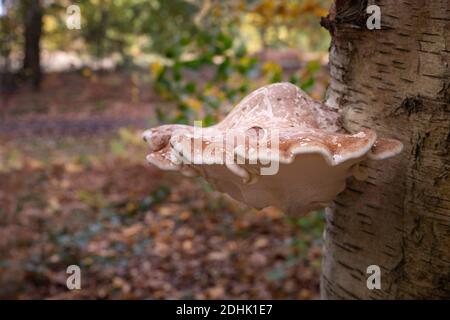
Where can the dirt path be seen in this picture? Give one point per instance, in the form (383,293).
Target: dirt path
(67,127)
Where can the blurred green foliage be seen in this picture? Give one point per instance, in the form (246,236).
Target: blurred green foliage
(227,74)
(207,72)
(116,26)
(204,55)
(218,59)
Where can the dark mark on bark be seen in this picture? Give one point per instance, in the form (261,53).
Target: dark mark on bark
(445,92)
(417,232)
(417,148)
(349,12)
(409,106)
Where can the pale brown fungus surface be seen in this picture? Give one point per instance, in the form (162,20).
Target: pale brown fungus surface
(277,126)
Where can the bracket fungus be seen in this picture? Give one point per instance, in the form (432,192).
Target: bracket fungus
(277,147)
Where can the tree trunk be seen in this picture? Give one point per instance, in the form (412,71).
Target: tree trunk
(395,80)
(32,11)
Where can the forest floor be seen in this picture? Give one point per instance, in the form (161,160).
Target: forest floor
(75,189)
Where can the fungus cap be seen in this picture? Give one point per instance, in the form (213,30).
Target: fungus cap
(277,147)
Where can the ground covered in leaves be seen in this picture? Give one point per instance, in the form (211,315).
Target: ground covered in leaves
(91,200)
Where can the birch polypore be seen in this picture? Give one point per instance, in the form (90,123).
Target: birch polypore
(277,147)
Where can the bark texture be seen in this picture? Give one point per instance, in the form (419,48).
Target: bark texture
(395,80)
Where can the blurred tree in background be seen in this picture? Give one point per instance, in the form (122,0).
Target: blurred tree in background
(32,19)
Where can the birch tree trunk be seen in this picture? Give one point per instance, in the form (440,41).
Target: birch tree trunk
(395,80)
